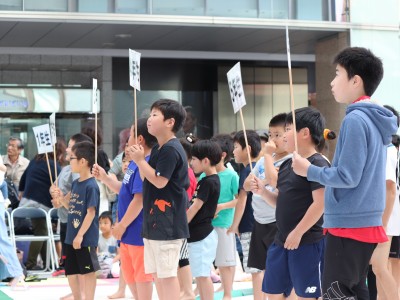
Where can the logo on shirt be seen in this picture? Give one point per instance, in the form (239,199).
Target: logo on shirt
(76,223)
(161,204)
(311,289)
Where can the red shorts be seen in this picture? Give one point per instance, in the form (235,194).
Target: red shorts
(132,264)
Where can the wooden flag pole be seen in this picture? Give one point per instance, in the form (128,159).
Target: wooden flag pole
(55,163)
(245,139)
(48,167)
(291,89)
(135,112)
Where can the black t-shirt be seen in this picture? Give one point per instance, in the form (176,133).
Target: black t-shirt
(207,190)
(164,210)
(247,221)
(294,199)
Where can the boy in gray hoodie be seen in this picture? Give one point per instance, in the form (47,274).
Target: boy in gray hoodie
(355,184)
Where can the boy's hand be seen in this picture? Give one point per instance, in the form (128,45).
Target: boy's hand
(118,231)
(98,172)
(257,186)
(300,165)
(55,192)
(77,242)
(217,210)
(270,147)
(233,229)
(293,240)
(136,153)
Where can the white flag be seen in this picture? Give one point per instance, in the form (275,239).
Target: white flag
(43,138)
(236,88)
(134,69)
(288,48)
(94,97)
(52,120)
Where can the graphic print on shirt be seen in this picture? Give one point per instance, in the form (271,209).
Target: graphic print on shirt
(334,293)
(75,206)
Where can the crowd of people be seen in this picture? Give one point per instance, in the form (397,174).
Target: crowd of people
(168,210)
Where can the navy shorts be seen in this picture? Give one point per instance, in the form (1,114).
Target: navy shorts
(299,269)
(80,261)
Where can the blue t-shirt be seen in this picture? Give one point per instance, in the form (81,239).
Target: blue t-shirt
(131,184)
(84,194)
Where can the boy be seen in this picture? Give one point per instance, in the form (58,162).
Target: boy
(294,259)
(203,238)
(225,258)
(164,196)
(83,224)
(243,220)
(107,251)
(355,193)
(130,215)
(264,229)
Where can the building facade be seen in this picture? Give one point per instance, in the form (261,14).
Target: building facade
(51,50)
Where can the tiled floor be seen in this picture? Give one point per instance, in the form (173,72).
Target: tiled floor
(54,288)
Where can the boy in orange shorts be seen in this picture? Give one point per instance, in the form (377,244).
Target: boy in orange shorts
(130,216)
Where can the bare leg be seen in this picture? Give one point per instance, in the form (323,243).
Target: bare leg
(73,282)
(81,287)
(185,283)
(121,288)
(387,288)
(90,285)
(206,288)
(227,274)
(275,297)
(395,267)
(144,290)
(169,288)
(257,286)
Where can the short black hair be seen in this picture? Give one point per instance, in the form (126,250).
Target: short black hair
(395,113)
(253,140)
(278,120)
(207,149)
(311,118)
(81,137)
(106,215)
(20,145)
(84,150)
(396,140)
(171,109)
(362,62)
(225,141)
(150,140)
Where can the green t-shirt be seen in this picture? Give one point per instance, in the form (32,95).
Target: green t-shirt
(229,188)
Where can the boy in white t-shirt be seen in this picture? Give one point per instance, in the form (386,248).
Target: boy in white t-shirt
(108,246)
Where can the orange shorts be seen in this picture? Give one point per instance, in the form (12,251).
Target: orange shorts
(132,264)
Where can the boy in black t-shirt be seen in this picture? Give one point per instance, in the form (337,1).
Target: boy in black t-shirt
(203,239)
(164,196)
(295,257)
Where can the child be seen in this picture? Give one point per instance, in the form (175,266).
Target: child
(107,247)
(295,257)
(164,196)
(355,192)
(130,215)
(264,229)
(225,259)
(83,224)
(203,238)
(243,220)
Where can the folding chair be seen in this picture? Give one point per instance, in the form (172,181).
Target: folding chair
(35,213)
(53,214)
(7,219)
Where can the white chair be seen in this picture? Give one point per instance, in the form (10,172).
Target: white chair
(35,213)
(53,214)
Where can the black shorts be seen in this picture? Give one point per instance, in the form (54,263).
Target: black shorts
(262,237)
(395,247)
(80,261)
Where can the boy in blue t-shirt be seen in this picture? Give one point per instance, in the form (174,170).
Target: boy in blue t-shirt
(83,224)
(130,215)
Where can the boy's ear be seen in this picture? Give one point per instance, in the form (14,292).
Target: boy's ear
(170,122)
(357,80)
(305,132)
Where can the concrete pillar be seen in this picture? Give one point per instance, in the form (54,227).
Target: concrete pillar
(325,51)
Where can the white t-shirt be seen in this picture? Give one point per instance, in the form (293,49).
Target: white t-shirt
(107,245)
(393,228)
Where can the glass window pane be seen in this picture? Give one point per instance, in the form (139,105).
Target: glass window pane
(45,5)
(179,7)
(273,9)
(233,8)
(131,7)
(11,5)
(99,6)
